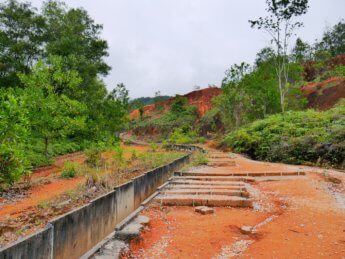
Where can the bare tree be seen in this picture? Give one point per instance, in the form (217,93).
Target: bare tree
(281,26)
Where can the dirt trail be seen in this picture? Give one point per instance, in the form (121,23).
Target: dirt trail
(293,216)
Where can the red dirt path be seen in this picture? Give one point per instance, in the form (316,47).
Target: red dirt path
(296,217)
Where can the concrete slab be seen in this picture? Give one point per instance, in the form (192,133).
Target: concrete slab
(206,186)
(214,178)
(208,192)
(204,210)
(204,200)
(111,250)
(196,182)
(130,231)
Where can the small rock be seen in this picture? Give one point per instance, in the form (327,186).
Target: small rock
(204,210)
(246,230)
(63,204)
(129,232)
(143,220)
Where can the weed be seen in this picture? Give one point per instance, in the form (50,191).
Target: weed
(134,155)
(43,204)
(153,147)
(69,170)
(199,158)
(94,158)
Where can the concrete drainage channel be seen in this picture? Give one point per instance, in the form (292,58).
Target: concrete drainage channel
(202,190)
(116,243)
(81,232)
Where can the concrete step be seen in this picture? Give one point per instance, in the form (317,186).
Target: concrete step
(204,200)
(214,178)
(218,156)
(208,192)
(206,174)
(206,187)
(244,174)
(222,163)
(196,182)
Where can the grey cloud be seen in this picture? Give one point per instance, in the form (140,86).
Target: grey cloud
(172,45)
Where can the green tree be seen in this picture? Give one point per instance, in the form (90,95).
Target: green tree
(301,52)
(235,100)
(333,40)
(72,34)
(179,104)
(115,108)
(52,115)
(279,24)
(21,36)
(120,94)
(14,131)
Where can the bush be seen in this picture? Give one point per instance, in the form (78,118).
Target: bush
(304,137)
(153,147)
(12,165)
(70,170)
(94,157)
(13,134)
(183,136)
(180,116)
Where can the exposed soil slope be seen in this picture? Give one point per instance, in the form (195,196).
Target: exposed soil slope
(202,99)
(324,95)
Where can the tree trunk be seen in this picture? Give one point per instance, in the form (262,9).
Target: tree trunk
(46,142)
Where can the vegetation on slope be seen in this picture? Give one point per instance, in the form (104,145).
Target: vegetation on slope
(53,100)
(297,137)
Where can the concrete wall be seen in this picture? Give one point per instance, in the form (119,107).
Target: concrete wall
(78,231)
(73,234)
(38,245)
(182,147)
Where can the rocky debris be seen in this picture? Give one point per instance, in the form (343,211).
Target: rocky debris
(129,232)
(235,250)
(117,247)
(143,220)
(133,229)
(204,210)
(112,249)
(246,230)
(62,204)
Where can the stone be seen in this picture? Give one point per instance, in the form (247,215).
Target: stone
(143,220)
(129,232)
(204,210)
(63,204)
(111,250)
(246,230)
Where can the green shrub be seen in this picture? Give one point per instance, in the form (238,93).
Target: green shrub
(12,165)
(153,147)
(70,170)
(94,157)
(14,132)
(183,136)
(302,137)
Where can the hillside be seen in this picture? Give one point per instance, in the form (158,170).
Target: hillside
(202,99)
(324,95)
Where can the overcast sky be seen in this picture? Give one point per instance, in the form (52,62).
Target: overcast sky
(173,45)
